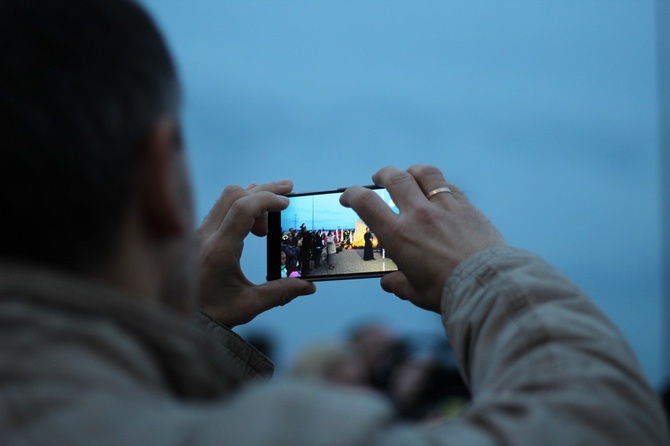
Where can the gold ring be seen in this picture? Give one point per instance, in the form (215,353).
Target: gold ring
(439,190)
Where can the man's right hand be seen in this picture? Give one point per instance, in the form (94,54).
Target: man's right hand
(227,294)
(429,237)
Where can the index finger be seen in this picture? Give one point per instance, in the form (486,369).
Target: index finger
(245,212)
(231,194)
(281,187)
(402,186)
(220,209)
(369,206)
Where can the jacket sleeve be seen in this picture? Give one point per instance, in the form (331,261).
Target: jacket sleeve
(250,362)
(543,363)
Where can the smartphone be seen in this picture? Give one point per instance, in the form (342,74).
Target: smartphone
(316,238)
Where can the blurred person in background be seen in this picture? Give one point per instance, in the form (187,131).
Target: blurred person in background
(424,389)
(380,350)
(331,361)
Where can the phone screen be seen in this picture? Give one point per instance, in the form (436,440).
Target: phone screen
(316,238)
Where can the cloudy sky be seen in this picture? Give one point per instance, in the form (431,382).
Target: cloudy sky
(544,112)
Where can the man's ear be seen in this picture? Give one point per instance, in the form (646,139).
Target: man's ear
(161,181)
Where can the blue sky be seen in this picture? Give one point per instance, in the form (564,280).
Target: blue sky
(323,211)
(544,112)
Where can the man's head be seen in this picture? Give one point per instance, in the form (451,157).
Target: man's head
(83,84)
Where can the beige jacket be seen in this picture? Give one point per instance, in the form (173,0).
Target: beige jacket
(83,365)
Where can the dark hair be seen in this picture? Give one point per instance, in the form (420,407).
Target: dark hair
(81,83)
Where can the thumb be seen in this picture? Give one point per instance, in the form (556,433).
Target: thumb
(279,292)
(397,283)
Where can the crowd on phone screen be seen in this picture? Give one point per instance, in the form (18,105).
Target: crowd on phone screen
(305,250)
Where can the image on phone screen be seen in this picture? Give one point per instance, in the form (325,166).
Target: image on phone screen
(316,238)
